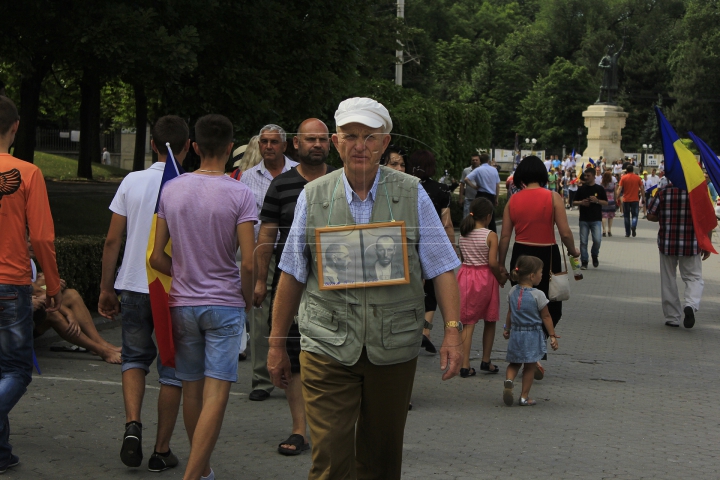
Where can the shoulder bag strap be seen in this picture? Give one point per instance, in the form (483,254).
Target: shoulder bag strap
(552,209)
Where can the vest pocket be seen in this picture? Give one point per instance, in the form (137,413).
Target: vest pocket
(324,326)
(401,327)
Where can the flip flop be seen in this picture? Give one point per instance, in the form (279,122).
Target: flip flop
(298,441)
(68,349)
(485,367)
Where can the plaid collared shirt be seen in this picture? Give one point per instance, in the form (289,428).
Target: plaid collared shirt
(258,179)
(436,253)
(676,236)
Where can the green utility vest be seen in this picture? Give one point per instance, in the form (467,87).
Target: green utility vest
(386,320)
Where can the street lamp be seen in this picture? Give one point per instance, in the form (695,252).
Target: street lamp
(646,147)
(530,142)
(579,132)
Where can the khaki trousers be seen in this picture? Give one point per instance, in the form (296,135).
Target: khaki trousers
(259,333)
(356,416)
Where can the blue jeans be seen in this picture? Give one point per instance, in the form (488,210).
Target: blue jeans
(138,347)
(596,229)
(16,349)
(630,208)
(207,341)
(466,206)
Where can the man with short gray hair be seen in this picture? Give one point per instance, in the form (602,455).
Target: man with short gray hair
(357,373)
(272,143)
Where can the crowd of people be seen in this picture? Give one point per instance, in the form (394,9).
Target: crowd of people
(248,256)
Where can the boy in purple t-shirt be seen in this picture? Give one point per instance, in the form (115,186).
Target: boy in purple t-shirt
(207,214)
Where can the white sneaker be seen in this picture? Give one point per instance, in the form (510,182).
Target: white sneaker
(209,477)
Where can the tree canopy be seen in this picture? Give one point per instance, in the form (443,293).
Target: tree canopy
(476,72)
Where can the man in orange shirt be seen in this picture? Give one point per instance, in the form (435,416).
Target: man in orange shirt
(632,188)
(23,205)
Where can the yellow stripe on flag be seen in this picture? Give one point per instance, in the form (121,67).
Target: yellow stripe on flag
(694,176)
(151,272)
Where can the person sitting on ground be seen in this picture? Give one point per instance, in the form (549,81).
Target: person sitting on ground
(73,322)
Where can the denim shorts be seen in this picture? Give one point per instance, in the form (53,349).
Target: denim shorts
(207,341)
(138,347)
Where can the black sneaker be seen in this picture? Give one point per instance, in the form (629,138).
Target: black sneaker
(162,461)
(131,451)
(689,320)
(596,262)
(633,232)
(14,461)
(584,266)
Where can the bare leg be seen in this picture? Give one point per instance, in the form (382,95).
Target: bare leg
(610,225)
(60,324)
(603,226)
(73,301)
(168,407)
(488,340)
(528,377)
(428,318)
(133,386)
(192,394)
(512,371)
(207,427)
(296,402)
(467,334)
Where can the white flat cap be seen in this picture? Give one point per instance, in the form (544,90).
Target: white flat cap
(365,111)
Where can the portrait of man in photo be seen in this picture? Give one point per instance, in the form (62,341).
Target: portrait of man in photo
(383,268)
(338,265)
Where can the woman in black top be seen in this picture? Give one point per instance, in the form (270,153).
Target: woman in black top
(423,166)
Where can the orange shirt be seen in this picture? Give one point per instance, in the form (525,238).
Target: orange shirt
(631,185)
(24,204)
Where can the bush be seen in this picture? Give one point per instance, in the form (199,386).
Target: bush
(79,260)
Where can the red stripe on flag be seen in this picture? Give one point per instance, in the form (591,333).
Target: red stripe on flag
(163,323)
(703,216)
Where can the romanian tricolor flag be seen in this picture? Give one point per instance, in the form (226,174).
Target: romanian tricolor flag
(158,283)
(685,173)
(708,158)
(652,190)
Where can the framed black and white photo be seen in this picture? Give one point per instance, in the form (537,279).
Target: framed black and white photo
(369,255)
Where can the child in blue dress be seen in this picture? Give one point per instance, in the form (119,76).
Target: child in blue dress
(527,313)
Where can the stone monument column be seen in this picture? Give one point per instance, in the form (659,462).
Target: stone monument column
(604,123)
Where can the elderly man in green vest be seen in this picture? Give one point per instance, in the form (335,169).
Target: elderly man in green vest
(360,345)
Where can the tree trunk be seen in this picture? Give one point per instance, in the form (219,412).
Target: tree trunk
(89,122)
(29,106)
(141,121)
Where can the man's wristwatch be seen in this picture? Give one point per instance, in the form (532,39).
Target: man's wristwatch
(454,324)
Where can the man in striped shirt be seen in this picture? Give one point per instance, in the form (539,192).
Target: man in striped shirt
(313,145)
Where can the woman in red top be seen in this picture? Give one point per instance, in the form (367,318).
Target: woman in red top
(530,214)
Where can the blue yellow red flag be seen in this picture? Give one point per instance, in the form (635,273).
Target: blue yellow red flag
(683,170)
(159,283)
(708,158)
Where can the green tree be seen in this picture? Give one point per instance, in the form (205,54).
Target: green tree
(552,110)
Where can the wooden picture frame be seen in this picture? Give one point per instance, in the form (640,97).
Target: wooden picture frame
(355,256)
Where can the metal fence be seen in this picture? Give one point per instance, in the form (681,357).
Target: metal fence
(68,141)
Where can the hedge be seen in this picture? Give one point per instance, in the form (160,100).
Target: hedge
(79,259)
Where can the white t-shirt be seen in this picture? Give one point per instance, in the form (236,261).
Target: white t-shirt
(653,180)
(616,169)
(135,200)
(548,165)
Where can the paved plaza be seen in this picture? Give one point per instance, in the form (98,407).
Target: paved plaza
(624,397)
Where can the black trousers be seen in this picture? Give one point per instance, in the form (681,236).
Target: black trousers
(490,197)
